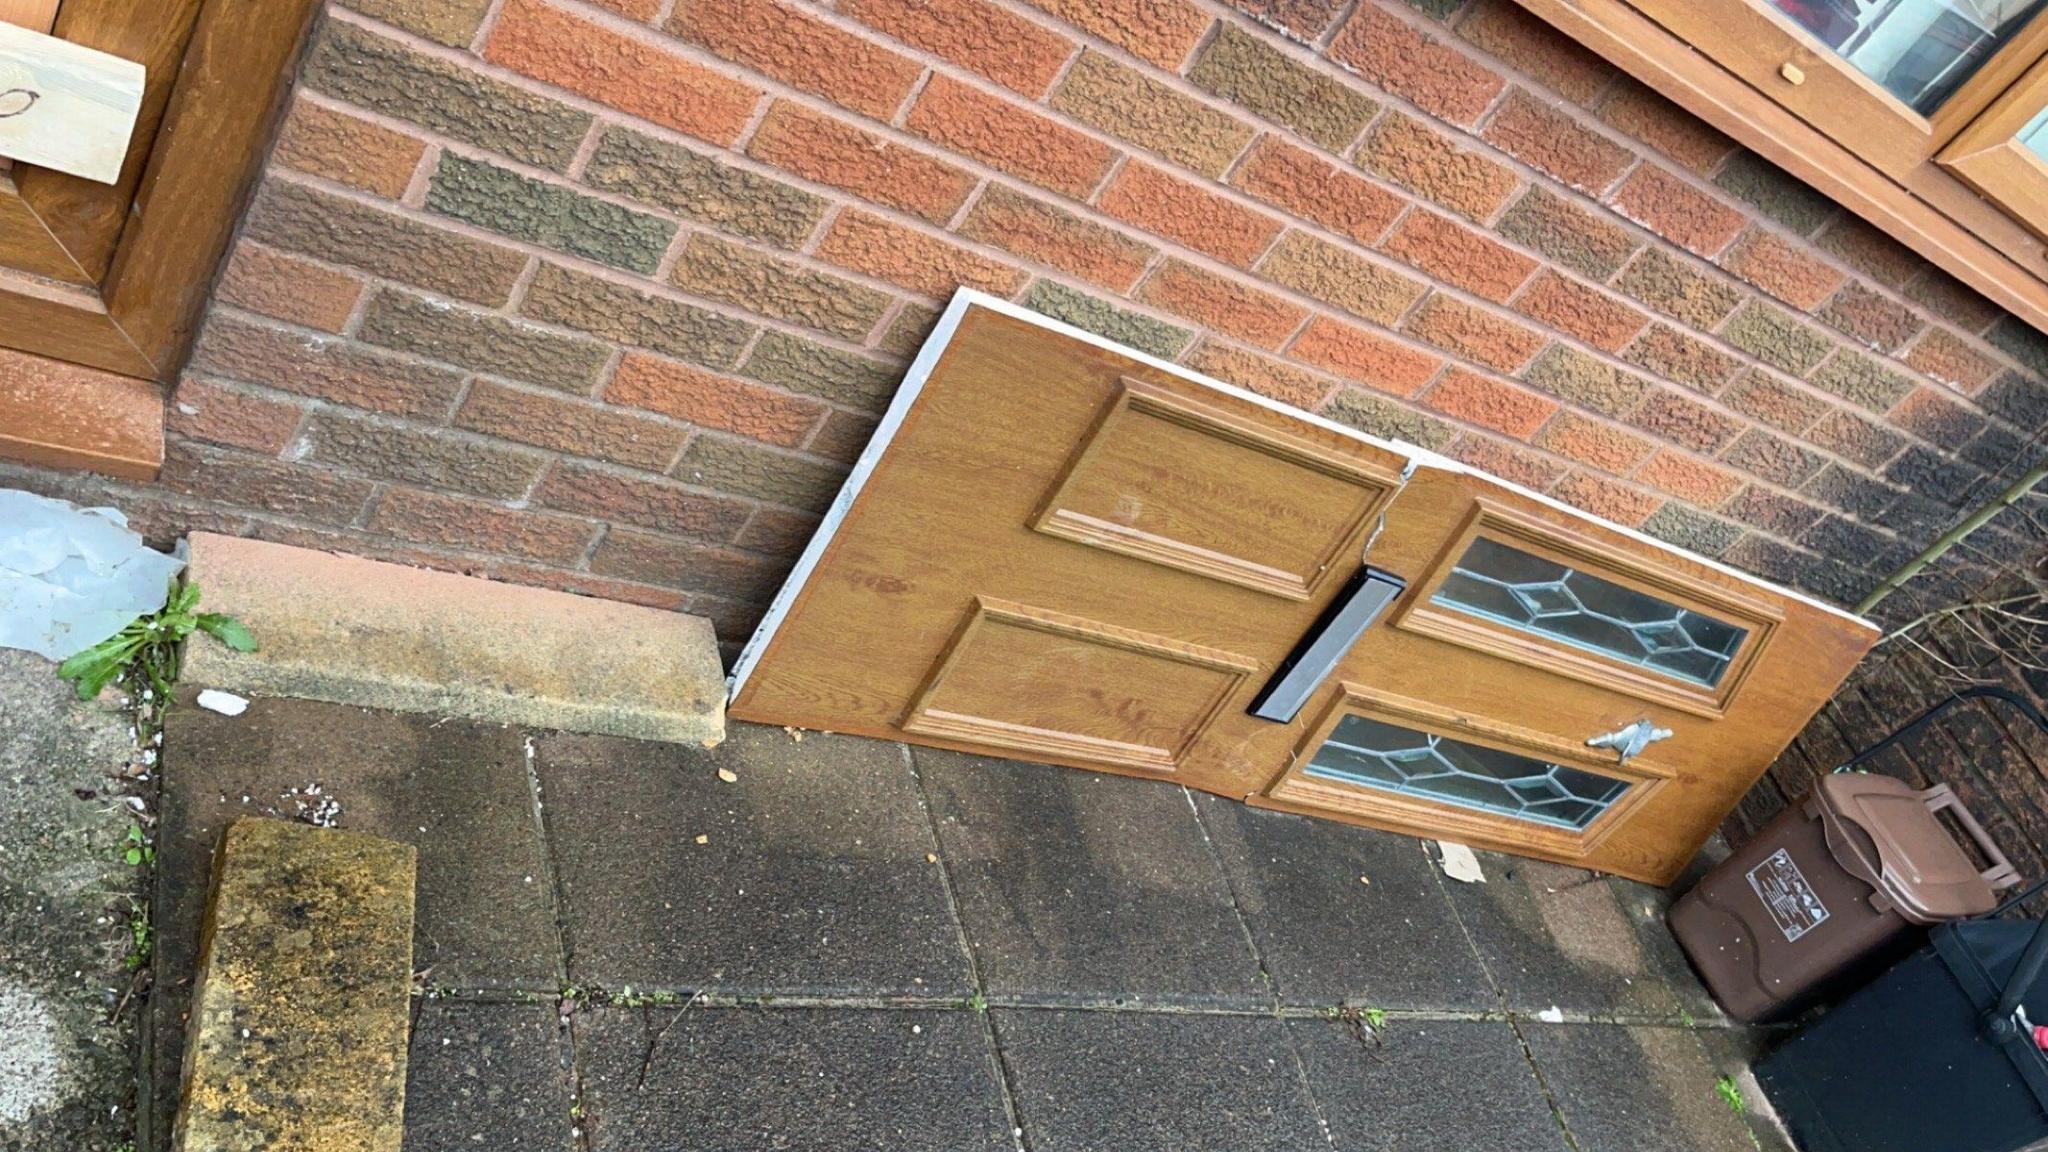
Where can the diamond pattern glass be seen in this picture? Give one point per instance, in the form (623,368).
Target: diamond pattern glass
(1395,759)
(1532,594)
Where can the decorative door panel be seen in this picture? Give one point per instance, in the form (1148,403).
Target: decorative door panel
(1059,550)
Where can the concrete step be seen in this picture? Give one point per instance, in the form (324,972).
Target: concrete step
(300,1017)
(355,631)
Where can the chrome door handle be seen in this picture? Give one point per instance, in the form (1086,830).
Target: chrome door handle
(1629,742)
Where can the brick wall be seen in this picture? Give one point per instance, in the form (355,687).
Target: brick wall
(604,294)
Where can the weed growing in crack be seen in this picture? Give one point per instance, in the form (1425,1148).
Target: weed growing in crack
(148,646)
(136,850)
(1731,1094)
(142,941)
(1376,1018)
(978,1002)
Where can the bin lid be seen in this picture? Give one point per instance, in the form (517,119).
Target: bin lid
(1900,848)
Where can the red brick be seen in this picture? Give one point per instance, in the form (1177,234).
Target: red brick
(1579,310)
(1366,357)
(831,151)
(1009,137)
(797,48)
(221,413)
(478,526)
(1951,359)
(1689,478)
(778,532)
(710,401)
(1509,34)
(1459,256)
(284,287)
(1304,20)
(1051,235)
(584,584)
(1549,141)
(659,560)
(1594,442)
(641,11)
(1932,415)
(348,149)
(1677,211)
(1401,59)
(1871,317)
(1511,462)
(1261,374)
(1301,182)
(908,258)
(1474,333)
(620,71)
(1671,131)
(1188,213)
(1020,54)
(1764,397)
(1490,403)
(842,436)
(1608,499)
(326,368)
(1684,421)
(622,497)
(1783,269)
(1432,165)
(549,420)
(1160,32)
(1222,304)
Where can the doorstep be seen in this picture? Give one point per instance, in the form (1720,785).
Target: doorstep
(356,631)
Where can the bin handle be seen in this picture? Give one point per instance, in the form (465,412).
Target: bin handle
(2001,874)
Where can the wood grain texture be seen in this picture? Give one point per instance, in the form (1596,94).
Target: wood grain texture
(230,95)
(1926,208)
(943,529)
(67,324)
(61,415)
(1989,156)
(27,246)
(64,107)
(87,217)
(34,15)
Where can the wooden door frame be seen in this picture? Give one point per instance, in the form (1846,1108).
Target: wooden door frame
(231,82)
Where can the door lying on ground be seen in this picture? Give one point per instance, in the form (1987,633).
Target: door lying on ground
(1063,551)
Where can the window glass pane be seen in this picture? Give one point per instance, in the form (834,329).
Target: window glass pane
(1920,50)
(1395,759)
(2033,137)
(1531,594)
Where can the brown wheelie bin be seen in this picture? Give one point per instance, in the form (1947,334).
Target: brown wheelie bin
(1831,890)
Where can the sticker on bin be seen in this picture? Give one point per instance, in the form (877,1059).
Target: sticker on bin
(1791,901)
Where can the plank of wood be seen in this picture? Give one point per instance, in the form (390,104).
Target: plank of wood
(66,323)
(34,15)
(65,107)
(60,415)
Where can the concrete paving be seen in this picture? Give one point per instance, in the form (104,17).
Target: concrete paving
(798,940)
(67,898)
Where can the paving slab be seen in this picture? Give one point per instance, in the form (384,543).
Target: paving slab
(1556,937)
(1088,1080)
(351,630)
(457,790)
(67,1070)
(301,1011)
(1345,915)
(1077,887)
(489,1075)
(743,1080)
(816,873)
(1426,1086)
(1635,1089)
(1646,908)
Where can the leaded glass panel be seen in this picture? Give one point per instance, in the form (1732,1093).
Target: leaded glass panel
(1532,594)
(1394,759)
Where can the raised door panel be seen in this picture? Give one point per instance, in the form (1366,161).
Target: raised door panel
(1062,551)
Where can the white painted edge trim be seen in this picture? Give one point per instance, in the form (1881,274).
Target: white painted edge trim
(942,336)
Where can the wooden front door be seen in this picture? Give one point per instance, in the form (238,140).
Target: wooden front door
(1059,550)
(111,276)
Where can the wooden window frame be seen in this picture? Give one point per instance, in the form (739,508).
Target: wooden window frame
(1441,819)
(1419,613)
(121,286)
(1920,202)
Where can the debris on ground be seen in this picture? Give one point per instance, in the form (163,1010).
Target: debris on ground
(71,577)
(1460,864)
(728,775)
(1551,1015)
(225,703)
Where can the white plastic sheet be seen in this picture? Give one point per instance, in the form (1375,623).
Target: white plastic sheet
(70,577)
